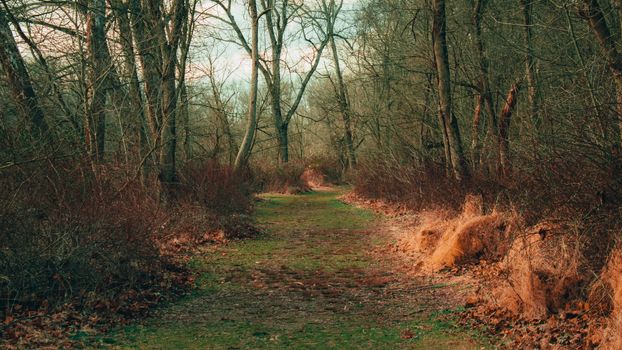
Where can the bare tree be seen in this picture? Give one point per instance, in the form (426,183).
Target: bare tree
(484,99)
(18,78)
(449,122)
(98,78)
(331,11)
(279,16)
(159,35)
(249,136)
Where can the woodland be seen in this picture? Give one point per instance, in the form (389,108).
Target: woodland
(156,151)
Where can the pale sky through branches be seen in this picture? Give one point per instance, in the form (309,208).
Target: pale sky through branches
(232,61)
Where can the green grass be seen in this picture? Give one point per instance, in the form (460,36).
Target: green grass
(339,335)
(301,285)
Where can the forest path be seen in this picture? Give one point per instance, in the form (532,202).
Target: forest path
(309,282)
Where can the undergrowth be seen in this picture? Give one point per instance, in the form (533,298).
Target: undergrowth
(82,237)
(550,228)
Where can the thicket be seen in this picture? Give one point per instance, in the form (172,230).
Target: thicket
(76,234)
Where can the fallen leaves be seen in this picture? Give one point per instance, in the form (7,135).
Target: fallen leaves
(72,324)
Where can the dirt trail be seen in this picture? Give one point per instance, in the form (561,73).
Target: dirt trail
(310,282)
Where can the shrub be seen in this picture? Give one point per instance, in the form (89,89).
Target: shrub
(72,232)
(214,186)
(285,178)
(564,209)
(328,168)
(66,234)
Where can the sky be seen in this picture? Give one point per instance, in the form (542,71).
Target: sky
(233,62)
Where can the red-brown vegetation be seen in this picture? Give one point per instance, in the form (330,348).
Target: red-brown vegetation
(74,238)
(541,248)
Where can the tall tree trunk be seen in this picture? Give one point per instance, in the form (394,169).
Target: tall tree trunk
(282,127)
(249,136)
(446,148)
(158,37)
(597,22)
(458,162)
(530,74)
(344,104)
(151,62)
(484,102)
(169,45)
(136,99)
(98,77)
(283,138)
(18,79)
(475,132)
(168,135)
(504,132)
(185,120)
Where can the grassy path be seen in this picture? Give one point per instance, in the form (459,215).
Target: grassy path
(308,283)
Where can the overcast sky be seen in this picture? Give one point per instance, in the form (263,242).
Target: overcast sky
(233,62)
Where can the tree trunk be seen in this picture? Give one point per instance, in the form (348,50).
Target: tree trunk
(344,105)
(168,171)
(151,62)
(504,132)
(98,77)
(458,163)
(598,23)
(475,133)
(283,143)
(158,37)
(245,149)
(136,102)
(484,102)
(185,120)
(18,79)
(446,148)
(530,64)
(282,127)
(169,45)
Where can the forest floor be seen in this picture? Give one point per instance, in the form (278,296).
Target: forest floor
(315,279)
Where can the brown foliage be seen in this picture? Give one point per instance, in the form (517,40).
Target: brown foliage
(449,240)
(610,338)
(214,186)
(544,270)
(419,188)
(285,178)
(542,234)
(66,232)
(73,236)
